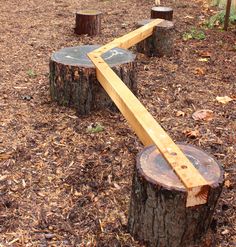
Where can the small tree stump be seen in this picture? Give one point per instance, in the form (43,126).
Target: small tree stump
(73,79)
(161,12)
(158,213)
(160,43)
(88,22)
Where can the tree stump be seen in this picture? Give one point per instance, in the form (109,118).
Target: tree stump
(88,22)
(160,43)
(158,214)
(73,79)
(162,12)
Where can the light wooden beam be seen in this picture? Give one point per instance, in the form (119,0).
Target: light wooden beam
(141,121)
(130,39)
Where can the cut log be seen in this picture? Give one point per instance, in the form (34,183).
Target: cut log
(158,214)
(162,12)
(161,42)
(88,22)
(73,77)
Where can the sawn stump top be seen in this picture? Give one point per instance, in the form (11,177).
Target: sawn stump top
(77,56)
(154,168)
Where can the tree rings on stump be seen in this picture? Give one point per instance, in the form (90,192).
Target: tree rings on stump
(161,42)
(162,12)
(158,213)
(88,22)
(73,79)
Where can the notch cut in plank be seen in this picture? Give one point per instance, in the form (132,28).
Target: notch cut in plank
(130,39)
(150,132)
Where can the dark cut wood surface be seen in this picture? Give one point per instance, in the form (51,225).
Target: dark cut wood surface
(162,12)
(77,56)
(154,168)
(73,79)
(158,214)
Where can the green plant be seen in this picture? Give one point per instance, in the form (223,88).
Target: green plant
(95,128)
(194,34)
(218,19)
(31,73)
(232,18)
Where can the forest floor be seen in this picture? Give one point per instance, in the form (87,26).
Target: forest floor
(63,186)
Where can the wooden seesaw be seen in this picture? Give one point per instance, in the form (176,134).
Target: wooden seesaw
(141,224)
(165,209)
(144,125)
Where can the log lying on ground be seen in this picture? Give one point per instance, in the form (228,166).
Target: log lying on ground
(88,22)
(162,12)
(158,213)
(161,42)
(73,77)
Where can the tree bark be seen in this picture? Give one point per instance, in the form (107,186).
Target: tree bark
(161,12)
(223,3)
(158,215)
(73,77)
(88,22)
(160,43)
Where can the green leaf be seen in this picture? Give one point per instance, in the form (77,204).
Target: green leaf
(31,73)
(194,34)
(95,128)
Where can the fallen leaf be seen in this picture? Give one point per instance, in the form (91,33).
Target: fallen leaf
(180,114)
(206,115)
(203,59)
(205,54)
(227,183)
(199,71)
(3,177)
(117,186)
(192,133)
(23,183)
(224,99)
(95,128)
(226,231)
(188,17)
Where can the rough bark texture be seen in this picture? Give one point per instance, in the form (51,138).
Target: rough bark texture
(160,43)
(161,12)
(73,78)
(88,22)
(158,215)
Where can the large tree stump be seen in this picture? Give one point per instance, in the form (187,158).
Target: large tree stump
(158,213)
(162,12)
(160,43)
(88,22)
(73,77)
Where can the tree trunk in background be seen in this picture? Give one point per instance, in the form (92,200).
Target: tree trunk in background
(160,43)
(223,3)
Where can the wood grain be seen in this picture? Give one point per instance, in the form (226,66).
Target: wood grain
(141,121)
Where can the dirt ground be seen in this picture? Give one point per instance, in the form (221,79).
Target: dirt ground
(63,186)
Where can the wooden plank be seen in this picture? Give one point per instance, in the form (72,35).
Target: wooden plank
(131,38)
(150,132)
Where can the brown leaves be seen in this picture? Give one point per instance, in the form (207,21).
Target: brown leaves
(180,114)
(205,115)
(5,156)
(228,184)
(204,54)
(199,71)
(192,133)
(224,99)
